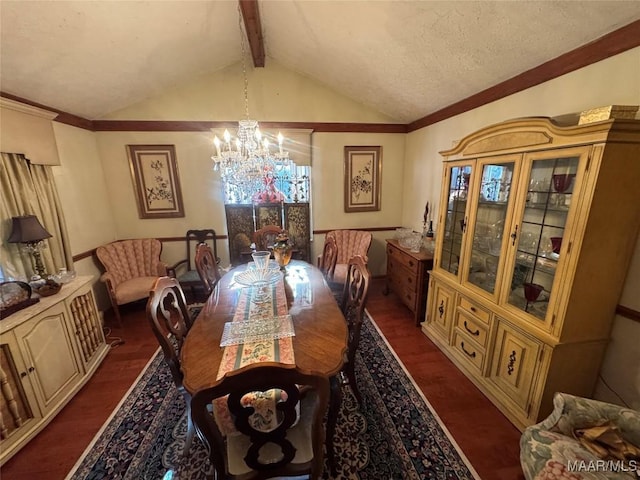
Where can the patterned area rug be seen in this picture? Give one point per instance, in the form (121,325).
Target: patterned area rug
(394,436)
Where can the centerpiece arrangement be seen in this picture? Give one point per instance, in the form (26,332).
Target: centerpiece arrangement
(282,250)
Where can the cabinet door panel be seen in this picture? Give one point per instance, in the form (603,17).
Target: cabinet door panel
(488,222)
(513,368)
(441,311)
(50,360)
(540,236)
(458,178)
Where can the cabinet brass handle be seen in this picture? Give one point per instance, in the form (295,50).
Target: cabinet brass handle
(473,309)
(23,374)
(32,369)
(409,279)
(471,354)
(514,235)
(512,362)
(476,333)
(441,308)
(411,263)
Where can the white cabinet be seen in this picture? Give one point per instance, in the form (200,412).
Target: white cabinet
(47,352)
(537,225)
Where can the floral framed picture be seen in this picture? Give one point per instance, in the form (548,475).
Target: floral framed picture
(362,170)
(155,179)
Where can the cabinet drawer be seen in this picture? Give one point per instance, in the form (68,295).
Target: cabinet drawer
(473,328)
(514,364)
(468,350)
(402,277)
(473,309)
(398,256)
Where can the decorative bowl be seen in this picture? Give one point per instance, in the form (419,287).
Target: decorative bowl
(49,288)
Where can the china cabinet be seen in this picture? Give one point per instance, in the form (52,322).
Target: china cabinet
(48,351)
(538,222)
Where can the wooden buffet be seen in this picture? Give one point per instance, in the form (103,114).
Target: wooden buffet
(48,351)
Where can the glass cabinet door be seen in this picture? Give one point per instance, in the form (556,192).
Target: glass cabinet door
(455,221)
(489,222)
(539,236)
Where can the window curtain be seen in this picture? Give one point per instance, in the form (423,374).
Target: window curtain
(29,189)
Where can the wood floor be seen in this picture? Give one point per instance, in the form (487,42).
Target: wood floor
(485,436)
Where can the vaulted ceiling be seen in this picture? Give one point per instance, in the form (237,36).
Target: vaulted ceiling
(406,59)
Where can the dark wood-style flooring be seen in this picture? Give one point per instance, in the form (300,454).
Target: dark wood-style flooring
(486,437)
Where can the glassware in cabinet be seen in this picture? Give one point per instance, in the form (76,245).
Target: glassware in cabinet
(488,221)
(538,240)
(458,179)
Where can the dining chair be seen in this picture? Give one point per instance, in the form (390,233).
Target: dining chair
(354,299)
(170,321)
(349,243)
(207,267)
(293,447)
(184,270)
(265,237)
(327,262)
(353,302)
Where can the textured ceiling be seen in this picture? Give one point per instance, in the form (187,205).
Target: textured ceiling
(405,59)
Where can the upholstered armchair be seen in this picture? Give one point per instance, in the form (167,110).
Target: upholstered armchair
(349,244)
(559,446)
(131,269)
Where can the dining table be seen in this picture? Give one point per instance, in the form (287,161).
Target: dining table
(319,340)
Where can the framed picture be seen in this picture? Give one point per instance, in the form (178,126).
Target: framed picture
(155,179)
(362,169)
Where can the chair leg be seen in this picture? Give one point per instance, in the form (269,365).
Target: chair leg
(116,311)
(332,419)
(351,378)
(190,434)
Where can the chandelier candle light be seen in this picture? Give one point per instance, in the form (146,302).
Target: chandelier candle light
(247,158)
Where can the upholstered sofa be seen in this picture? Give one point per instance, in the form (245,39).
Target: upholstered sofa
(131,269)
(553,449)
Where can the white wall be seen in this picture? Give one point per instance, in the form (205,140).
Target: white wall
(276,94)
(615,81)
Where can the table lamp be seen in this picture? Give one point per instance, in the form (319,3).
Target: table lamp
(28,230)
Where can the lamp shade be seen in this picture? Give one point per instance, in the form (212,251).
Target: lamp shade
(27,229)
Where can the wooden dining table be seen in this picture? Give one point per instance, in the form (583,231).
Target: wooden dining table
(320,339)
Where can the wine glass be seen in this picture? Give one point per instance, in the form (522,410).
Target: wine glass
(531,293)
(561,183)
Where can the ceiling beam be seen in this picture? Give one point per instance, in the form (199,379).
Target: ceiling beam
(253,27)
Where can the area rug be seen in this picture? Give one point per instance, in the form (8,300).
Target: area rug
(395,435)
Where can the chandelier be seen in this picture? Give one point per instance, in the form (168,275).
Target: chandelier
(249,157)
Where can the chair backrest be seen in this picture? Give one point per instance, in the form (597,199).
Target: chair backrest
(354,298)
(207,267)
(291,448)
(170,322)
(265,237)
(329,257)
(351,243)
(195,237)
(127,259)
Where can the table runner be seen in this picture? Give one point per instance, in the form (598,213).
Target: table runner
(237,356)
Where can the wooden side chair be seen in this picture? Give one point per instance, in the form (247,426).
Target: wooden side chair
(254,452)
(327,262)
(170,322)
(265,237)
(185,270)
(354,298)
(207,267)
(350,243)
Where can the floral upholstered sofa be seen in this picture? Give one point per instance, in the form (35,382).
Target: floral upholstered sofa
(552,449)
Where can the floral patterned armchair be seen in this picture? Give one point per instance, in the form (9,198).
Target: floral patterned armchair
(551,449)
